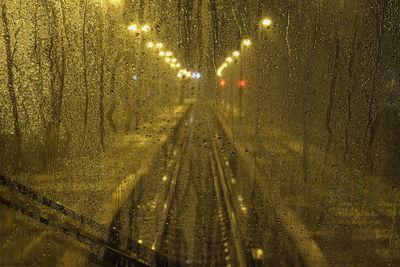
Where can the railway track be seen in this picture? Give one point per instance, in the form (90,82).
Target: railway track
(198,206)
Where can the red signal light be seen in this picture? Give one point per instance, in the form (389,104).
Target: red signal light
(222,83)
(242,83)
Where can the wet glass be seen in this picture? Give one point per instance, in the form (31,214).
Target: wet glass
(205,133)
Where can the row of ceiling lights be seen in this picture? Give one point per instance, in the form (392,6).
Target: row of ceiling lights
(183,73)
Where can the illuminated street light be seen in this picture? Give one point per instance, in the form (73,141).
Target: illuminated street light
(219,72)
(159,45)
(179,75)
(193,75)
(225,65)
(198,75)
(167,59)
(146,28)
(173,60)
(246,42)
(178,65)
(133,28)
(236,53)
(169,53)
(173,65)
(161,54)
(150,45)
(266,22)
(229,59)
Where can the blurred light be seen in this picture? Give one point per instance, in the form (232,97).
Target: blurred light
(150,45)
(173,65)
(179,75)
(242,83)
(222,83)
(167,59)
(173,60)
(133,28)
(225,65)
(189,74)
(159,45)
(161,54)
(146,28)
(164,178)
(193,75)
(134,77)
(169,53)
(266,22)
(219,72)
(178,65)
(229,59)
(236,53)
(198,75)
(247,42)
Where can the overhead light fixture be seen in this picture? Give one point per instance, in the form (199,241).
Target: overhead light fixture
(146,28)
(247,42)
(266,22)
(133,28)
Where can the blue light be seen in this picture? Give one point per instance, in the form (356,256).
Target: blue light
(198,75)
(134,77)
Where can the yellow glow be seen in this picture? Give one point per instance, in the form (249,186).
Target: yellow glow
(189,74)
(225,65)
(173,65)
(219,72)
(150,45)
(133,28)
(146,28)
(236,53)
(179,75)
(178,65)
(247,42)
(167,60)
(169,53)
(173,60)
(161,54)
(229,59)
(159,45)
(266,22)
